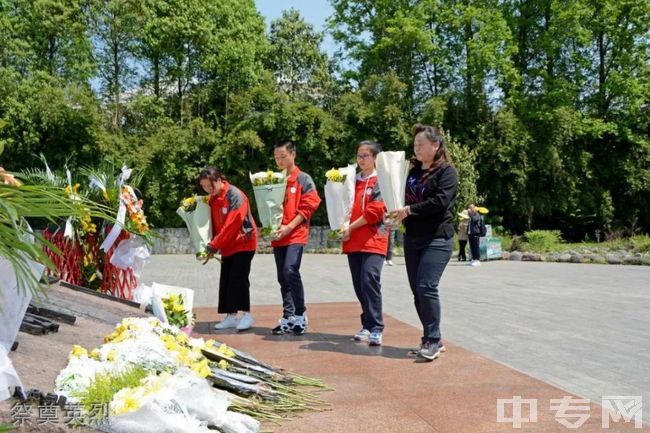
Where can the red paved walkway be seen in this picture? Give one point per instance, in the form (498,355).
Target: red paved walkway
(382,389)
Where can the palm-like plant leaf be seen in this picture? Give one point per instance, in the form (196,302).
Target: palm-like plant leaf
(32,201)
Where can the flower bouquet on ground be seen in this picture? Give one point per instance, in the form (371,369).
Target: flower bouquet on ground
(149,377)
(195,212)
(173,305)
(339,196)
(269,188)
(176,313)
(392,171)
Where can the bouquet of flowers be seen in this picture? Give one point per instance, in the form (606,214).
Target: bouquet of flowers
(195,212)
(150,377)
(135,212)
(392,171)
(339,195)
(173,305)
(269,188)
(176,313)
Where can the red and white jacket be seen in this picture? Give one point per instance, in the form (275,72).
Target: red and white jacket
(232,222)
(371,237)
(301,197)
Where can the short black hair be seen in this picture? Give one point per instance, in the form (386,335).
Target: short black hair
(211,173)
(288,144)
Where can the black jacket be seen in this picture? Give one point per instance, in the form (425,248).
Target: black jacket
(475,226)
(432,204)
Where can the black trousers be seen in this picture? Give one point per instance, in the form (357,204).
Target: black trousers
(474,241)
(234,286)
(389,249)
(462,243)
(424,267)
(287,263)
(366,274)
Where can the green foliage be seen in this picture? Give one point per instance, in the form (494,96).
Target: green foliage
(546,101)
(641,244)
(17,242)
(104,386)
(46,116)
(542,241)
(464,160)
(299,66)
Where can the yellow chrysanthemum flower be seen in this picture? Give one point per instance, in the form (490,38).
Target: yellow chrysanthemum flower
(95,354)
(77,351)
(334,175)
(226,351)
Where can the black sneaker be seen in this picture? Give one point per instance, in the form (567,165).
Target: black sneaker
(429,351)
(284,326)
(416,350)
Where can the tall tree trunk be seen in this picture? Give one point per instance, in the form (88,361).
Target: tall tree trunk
(602,75)
(469,76)
(156,76)
(550,56)
(117,88)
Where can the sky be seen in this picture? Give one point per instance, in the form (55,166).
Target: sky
(314,12)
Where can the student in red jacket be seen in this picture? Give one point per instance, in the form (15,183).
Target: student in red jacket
(300,202)
(365,241)
(235,236)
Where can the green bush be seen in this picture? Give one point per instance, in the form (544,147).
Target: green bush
(641,244)
(542,241)
(517,243)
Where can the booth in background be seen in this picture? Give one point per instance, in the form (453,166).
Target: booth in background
(490,247)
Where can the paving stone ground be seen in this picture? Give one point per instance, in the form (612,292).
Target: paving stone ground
(581,328)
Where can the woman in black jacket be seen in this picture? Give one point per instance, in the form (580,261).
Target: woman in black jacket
(431,189)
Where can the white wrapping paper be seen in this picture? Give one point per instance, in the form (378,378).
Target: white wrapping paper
(392,170)
(199,224)
(339,197)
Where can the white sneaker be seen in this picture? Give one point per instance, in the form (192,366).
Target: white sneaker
(300,324)
(229,322)
(245,322)
(476,263)
(362,335)
(389,262)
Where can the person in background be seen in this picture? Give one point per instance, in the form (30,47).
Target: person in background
(475,229)
(431,188)
(365,242)
(300,202)
(462,235)
(235,236)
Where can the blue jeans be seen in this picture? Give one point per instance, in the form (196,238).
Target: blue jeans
(425,263)
(287,263)
(366,279)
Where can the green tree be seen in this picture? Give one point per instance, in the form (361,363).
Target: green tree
(115,24)
(51,36)
(43,115)
(299,66)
